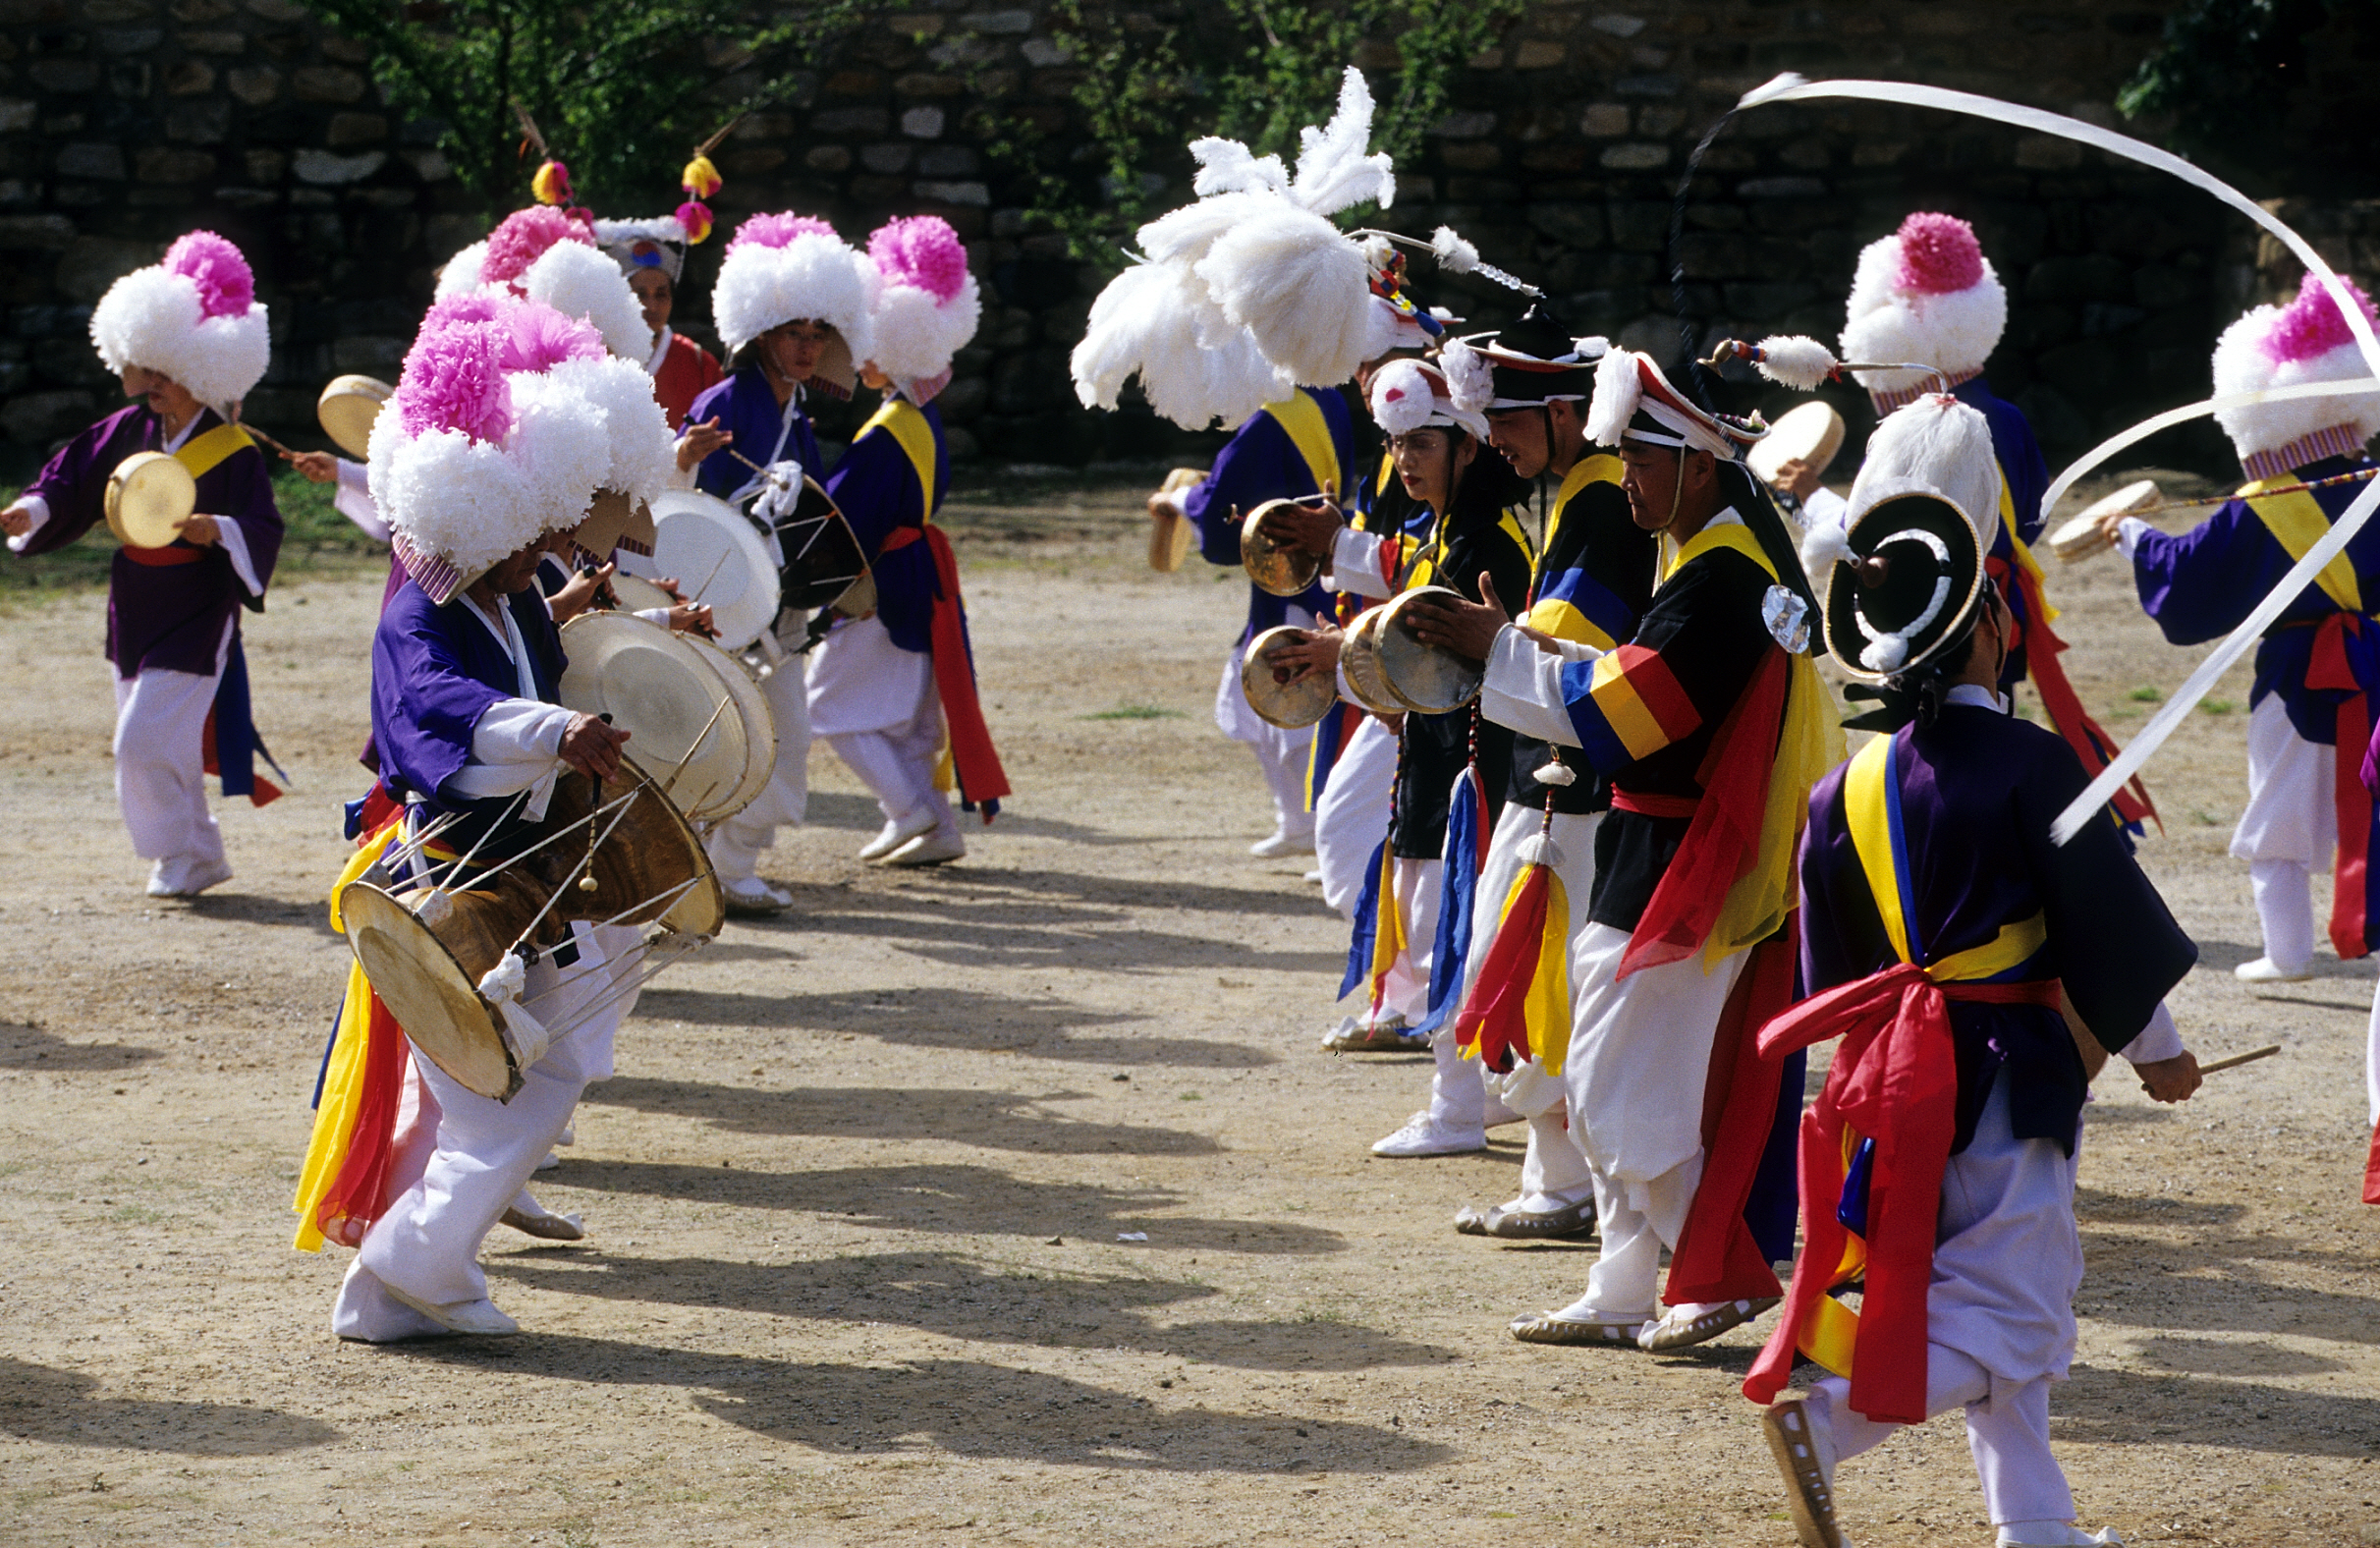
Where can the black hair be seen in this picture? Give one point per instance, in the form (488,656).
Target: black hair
(1917,695)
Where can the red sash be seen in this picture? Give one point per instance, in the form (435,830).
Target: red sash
(2329,669)
(1895,1080)
(972,756)
(163,558)
(2089,740)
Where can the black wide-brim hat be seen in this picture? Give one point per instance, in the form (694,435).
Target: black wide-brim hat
(1883,625)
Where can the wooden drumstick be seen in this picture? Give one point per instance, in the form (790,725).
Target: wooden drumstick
(2236,1060)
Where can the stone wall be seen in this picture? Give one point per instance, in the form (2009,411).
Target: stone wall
(124,122)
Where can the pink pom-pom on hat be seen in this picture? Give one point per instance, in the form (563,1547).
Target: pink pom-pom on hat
(539,338)
(453,380)
(522,238)
(227,287)
(923,252)
(2312,324)
(779,229)
(1938,255)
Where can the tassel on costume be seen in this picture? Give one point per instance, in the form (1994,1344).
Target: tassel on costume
(343,1185)
(1520,1006)
(1462,858)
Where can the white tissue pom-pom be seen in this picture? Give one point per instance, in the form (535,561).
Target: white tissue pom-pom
(1556,773)
(1618,387)
(1541,849)
(1824,547)
(1793,361)
(1885,654)
(504,982)
(1455,254)
(1471,381)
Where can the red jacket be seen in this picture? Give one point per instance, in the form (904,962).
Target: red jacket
(686,371)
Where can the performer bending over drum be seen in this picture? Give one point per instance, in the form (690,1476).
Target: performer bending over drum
(792,308)
(465,669)
(2310,713)
(1946,937)
(887,690)
(188,339)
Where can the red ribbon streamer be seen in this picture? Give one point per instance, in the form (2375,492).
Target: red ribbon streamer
(972,756)
(2089,740)
(1495,1014)
(2330,668)
(1895,1080)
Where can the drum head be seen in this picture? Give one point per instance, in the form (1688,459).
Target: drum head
(418,979)
(1169,541)
(1282,571)
(719,560)
(148,497)
(1810,433)
(1288,705)
(2080,537)
(760,728)
(1428,678)
(822,557)
(656,686)
(348,409)
(637,595)
(1359,664)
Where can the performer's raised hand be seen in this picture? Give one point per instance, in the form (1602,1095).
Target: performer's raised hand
(592,747)
(1317,652)
(1467,629)
(1311,523)
(1796,478)
(693,618)
(200,529)
(315,466)
(16,520)
(2172,1080)
(697,441)
(579,593)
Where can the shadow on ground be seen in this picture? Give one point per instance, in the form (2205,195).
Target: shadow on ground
(40,1403)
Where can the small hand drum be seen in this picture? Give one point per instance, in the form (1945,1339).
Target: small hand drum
(1359,664)
(760,725)
(1288,705)
(2081,538)
(347,410)
(1171,533)
(1810,433)
(148,497)
(1430,679)
(1281,571)
(719,559)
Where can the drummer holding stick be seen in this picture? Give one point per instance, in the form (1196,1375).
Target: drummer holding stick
(189,340)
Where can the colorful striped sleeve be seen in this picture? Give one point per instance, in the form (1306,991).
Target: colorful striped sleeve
(1627,707)
(1576,606)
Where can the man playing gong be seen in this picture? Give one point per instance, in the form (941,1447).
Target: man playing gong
(188,337)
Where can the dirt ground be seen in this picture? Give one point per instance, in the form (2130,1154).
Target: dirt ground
(853,1271)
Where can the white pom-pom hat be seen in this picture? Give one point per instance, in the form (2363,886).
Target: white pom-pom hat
(927,304)
(193,318)
(782,268)
(1410,395)
(474,461)
(2306,341)
(581,282)
(1903,582)
(1925,294)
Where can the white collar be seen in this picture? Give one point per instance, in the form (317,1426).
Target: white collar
(653,361)
(1977,697)
(176,443)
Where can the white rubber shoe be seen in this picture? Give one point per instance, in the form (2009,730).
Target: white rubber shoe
(935,847)
(896,834)
(2266,970)
(1425,1135)
(1282,844)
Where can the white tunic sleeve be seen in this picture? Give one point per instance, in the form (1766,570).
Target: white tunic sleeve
(1523,686)
(2159,1039)
(514,746)
(354,501)
(1356,563)
(235,548)
(35,507)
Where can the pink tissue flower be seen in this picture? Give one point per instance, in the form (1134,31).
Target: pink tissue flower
(921,251)
(227,288)
(522,238)
(453,380)
(2312,324)
(777,231)
(476,308)
(540,338)
(1938,255)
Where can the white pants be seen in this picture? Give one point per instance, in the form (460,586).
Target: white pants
(461,1157)
(1350,818)
(1282,754)
(1460,1088)
(1417,886)
(1639,1056)
(2007,1431)
(161,769)
(736,844)
(2287,828)
(875,704)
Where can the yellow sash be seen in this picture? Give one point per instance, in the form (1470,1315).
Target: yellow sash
(917,438)
(1556,617)
(203,454)
(1302,417)
(2297,523)
(1730,535)
(2025,556)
